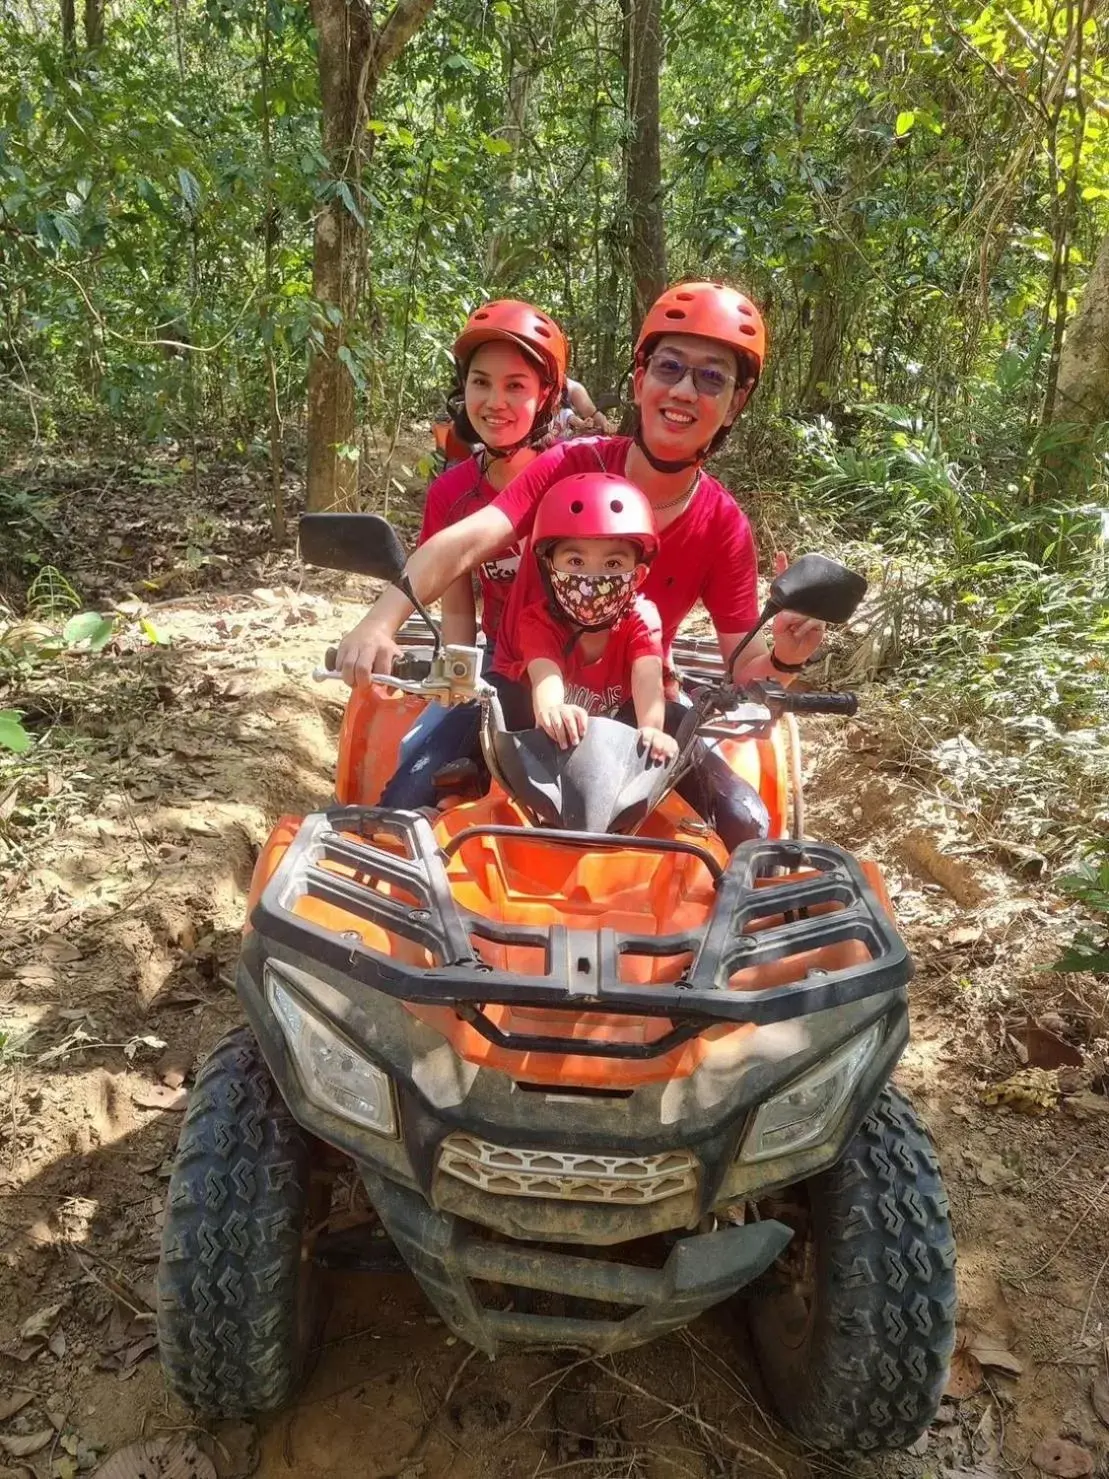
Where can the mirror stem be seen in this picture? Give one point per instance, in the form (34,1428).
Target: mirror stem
(769,610)
(404,585)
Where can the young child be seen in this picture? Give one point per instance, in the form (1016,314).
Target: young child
(593,644)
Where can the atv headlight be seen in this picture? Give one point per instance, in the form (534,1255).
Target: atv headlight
(805,1112)
(334,1076)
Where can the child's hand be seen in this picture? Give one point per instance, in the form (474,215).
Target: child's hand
(661,745)
(565,723)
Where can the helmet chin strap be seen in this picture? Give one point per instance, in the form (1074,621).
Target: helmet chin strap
(660,464)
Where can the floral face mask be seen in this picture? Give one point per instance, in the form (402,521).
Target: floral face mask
(593,601)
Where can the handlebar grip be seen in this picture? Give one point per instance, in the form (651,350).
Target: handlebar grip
(330,659)
(820,703)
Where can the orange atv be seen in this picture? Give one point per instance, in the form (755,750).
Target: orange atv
(595,1075)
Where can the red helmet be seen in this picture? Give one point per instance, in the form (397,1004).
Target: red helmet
(513,322)
(595,505)
(710,310)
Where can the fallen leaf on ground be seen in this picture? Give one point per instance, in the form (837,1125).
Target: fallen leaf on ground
(964,934)
(39,1323)
(56,1344)
(991,1350)
(58,948)
(21,1445)
(965,1376)
(1043,1048)
(1031,1091)
(160,1096)
(991,1170)
(158,1458)
(9,1406)
(1062,1458)
(1099,1396)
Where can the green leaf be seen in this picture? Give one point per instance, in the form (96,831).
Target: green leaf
(495,146)
(152,634)
(343,192)
(1093,192)
(12,734)
(90,627)
(905,120)
(189,187)
(66,229)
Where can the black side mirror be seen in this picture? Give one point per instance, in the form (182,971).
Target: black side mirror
(818,587)
(362,544)
(812,586)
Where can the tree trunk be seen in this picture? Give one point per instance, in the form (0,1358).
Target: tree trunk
(646,236)
(94,23)
(352,57)
(69,25)
(1082,387)
(1069,446)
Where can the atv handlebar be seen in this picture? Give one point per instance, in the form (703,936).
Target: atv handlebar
(846,704)
(406,667)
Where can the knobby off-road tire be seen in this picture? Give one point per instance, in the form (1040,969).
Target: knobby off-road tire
(866,1366)
(236,1299)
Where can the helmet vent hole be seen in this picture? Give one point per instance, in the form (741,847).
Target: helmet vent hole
(616,506)
(577,506)
(675,313)
(539,329)
(482,314)
(684,297)
(748,329)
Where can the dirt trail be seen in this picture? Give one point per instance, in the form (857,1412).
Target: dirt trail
(120,932)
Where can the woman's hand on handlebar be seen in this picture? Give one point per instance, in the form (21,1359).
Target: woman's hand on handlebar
(366,649)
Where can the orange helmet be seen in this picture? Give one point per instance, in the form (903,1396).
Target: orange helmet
(710,310)
(595,505)
(517,323)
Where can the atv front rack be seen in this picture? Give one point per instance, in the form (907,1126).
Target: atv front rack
(758,919)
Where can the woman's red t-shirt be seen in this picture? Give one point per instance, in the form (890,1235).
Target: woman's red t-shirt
(459,491)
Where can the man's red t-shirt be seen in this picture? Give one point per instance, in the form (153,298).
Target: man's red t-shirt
(601,686)
(459,491)
(707,553)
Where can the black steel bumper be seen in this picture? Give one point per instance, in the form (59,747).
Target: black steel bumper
(446,1257)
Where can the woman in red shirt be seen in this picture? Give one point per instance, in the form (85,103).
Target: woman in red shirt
(511,371)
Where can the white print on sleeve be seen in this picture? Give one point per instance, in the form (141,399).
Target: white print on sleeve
(503,569)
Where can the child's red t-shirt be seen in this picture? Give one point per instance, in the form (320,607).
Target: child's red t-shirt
(601,686)
(459,491)
(707,553)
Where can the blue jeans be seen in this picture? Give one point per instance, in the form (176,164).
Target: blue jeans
(453,737)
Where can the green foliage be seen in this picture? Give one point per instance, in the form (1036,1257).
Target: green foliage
(13,736)
(1090,886)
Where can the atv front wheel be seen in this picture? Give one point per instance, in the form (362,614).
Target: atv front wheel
(236,1286)
(855,1331)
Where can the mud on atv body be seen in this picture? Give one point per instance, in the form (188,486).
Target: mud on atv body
(593,1086)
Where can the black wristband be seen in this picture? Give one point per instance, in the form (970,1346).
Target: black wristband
(785,667)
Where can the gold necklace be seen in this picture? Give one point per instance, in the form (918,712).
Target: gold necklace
(689,492)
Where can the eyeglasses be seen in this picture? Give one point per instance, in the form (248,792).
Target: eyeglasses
(706,379)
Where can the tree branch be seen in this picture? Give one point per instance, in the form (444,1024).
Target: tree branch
(404,20)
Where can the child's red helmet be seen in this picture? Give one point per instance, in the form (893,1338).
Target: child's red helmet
(595,505)
(710,309)
(514,322)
